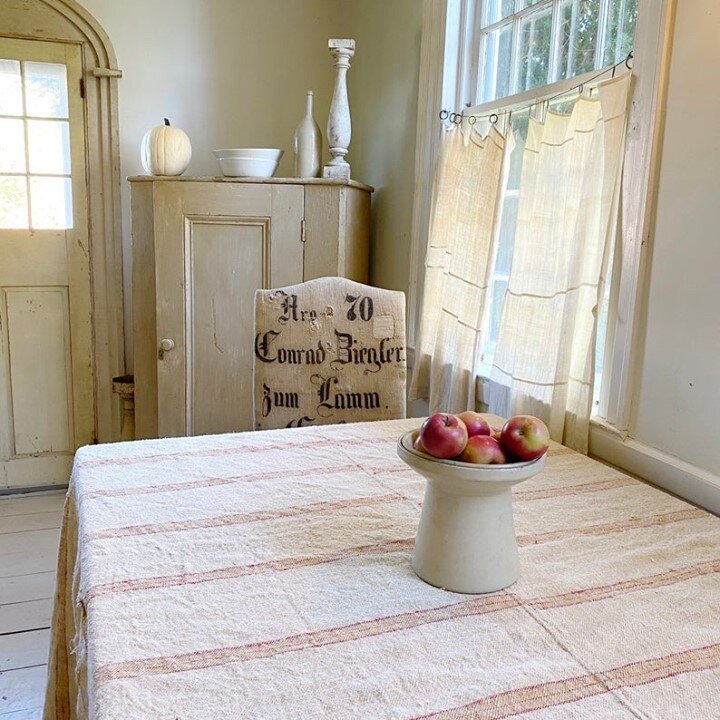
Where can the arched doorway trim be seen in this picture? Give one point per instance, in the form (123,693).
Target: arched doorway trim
(66,20)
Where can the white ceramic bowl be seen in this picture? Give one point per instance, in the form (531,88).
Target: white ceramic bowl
(248,162)
(466,536)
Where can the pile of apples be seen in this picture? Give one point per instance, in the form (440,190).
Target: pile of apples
(467,437)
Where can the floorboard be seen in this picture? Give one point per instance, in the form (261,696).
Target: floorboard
(23,616)
(29,533)
(21,650)
(33,521)
(22,689)
(34,586)
(31,552)
(34,714)
(32,503)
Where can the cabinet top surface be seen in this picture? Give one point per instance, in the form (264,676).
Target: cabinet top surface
(271,181)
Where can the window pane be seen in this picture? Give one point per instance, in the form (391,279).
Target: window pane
(506,241)
(499,287)
(520,122)
(10,88)
(497,62)
(51,202)
(601,340)
(45,90)
(12,146)
(578,37)
(534,49)
(13,202)
(522,4)
(49,147)
(495,10)
(621,30)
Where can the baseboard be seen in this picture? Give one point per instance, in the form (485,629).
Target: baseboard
(31,489)
(666,471)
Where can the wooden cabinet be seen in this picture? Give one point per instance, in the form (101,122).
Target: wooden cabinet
(201,247)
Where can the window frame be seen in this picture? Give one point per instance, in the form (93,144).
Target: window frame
(448,69)
(477,44)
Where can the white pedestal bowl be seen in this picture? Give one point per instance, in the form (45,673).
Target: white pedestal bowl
(466,537)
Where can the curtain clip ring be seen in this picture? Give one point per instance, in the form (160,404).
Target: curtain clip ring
(494,118)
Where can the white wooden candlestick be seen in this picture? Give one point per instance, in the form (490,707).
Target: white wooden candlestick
(338,128)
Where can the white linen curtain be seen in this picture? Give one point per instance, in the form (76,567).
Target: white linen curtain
(544,361)
(458,267)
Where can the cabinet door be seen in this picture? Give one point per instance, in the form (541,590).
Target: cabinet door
(216,243)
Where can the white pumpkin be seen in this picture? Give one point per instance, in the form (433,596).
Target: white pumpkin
(165,150)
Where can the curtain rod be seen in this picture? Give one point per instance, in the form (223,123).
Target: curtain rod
(517,102)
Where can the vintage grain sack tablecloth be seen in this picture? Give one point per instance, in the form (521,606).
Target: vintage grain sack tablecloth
(267,575)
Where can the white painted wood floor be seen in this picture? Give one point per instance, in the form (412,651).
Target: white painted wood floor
(29,533)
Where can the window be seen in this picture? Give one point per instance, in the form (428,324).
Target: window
(450,66)
(524,45)
(35,181)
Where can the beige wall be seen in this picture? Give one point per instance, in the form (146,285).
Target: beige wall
(678,407)
(383,96)
(229,72)
(235,73)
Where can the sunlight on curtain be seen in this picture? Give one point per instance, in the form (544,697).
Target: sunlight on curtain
(544,359)
(458,267)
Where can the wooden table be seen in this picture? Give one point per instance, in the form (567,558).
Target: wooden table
(267,575)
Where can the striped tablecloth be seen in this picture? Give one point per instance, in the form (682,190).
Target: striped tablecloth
(267,575)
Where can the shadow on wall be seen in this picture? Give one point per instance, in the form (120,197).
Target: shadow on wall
(383,89)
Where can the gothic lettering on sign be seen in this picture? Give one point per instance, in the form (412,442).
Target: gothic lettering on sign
(332,399)
(272,399)
(338,361)
(300,422)
(290,311)
(265,352)
(348,351)
(359,306)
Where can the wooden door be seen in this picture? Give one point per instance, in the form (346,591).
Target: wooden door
(47,407)
(216,243)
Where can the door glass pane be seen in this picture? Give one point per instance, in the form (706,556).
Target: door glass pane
(534,49)
(45,90)
(10,88)
(51,202)
(619,40)
(12,146)
(13,202)
(578,37)
(49,147)
(497,63)
(495,10)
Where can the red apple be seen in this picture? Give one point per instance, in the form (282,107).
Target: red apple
(417,445)
(475,423)
(482,450)
(443,435)
(524,437)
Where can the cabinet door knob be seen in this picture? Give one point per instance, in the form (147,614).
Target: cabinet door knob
(166,345)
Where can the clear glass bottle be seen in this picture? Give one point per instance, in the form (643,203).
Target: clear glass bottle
(307,144)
